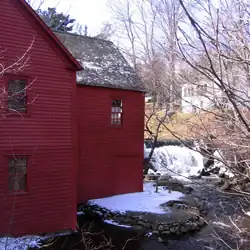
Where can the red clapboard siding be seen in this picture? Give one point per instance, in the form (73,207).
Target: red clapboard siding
(46,134)
(109,156)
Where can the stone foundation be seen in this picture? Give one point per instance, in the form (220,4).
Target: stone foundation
(176,222)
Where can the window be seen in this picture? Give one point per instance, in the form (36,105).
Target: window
(17,174)
(201,89)
(190,91)
(17,100)
(116,112)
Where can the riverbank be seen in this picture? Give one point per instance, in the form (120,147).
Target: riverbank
(219,234)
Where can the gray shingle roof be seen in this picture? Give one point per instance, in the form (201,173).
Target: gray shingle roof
(103,63)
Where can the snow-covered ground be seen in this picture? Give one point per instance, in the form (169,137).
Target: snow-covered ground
(147,201)
(25,242)
(21,243)
(176,161)
(112,222)
(219,163)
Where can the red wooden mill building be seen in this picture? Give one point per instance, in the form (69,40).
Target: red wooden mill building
(71,123)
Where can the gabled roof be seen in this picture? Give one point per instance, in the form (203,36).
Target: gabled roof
(103,63)
(50,34)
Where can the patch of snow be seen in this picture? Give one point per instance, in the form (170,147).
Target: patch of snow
(21,243)
(80,213)
(149,234)
(91,65)
(151,171)
(218,162)
(220,224)
(79,77)
(146,151)
(147,201)
(247,213)
(25,242)
(116,224)
(176,161)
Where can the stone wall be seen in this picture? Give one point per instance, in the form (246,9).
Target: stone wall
(155,224)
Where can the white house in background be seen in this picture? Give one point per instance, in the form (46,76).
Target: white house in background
(196,97)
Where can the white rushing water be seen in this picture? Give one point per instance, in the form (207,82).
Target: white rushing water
(176,161)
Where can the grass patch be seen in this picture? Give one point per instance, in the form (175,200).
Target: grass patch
(182,125)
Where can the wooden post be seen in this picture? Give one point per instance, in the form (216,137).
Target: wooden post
(157,183)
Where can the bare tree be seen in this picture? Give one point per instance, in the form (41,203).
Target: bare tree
(216,50)
(107,31)
(14,68)
(149,29)
(203,47)
(222,42)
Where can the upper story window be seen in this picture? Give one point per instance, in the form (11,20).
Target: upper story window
(17,96)
(201,89)
(189,91)
(116,112)
(17,174)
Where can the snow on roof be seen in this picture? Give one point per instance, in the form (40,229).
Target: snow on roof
(103,64)
(148,201)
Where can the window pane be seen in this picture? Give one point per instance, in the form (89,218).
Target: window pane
(14,170)
(20,162)
(11,162)
(16,86)
(117,103)
(22,183)
(17,165)
(17,169)
(17,95)
(17,183)
(116,111)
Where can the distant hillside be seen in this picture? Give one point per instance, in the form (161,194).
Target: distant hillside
(182,125)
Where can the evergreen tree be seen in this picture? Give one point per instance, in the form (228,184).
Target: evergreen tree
(56,21)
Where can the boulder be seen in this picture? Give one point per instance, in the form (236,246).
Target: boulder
(247,187)
(172,184)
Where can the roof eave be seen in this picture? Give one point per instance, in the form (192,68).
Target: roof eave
(67,54)
(111,86)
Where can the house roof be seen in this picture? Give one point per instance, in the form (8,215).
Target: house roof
(103,63)
(50,34)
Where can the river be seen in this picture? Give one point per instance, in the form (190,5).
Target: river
(217,235)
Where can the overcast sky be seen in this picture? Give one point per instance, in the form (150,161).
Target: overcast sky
(93,13)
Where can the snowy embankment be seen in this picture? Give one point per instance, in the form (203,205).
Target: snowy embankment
(176,161)
(147,201)
(21,243)
(25,242)
(218,163)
